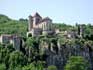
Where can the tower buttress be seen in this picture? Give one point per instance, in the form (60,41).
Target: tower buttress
(80,30)
(30,23)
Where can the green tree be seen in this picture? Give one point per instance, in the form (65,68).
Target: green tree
(3,19)
(34,66)
(18,68)
(2,67)
(4,55)
(29,67)
(30,45)
(77,63)
(52,67)
(16,59)
(39,65)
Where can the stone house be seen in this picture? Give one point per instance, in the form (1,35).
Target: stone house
(38,25)
(11,39)
(72,34)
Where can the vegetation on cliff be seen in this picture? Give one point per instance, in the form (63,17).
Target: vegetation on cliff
(77,63)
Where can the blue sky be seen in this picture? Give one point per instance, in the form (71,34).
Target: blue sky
(67,11)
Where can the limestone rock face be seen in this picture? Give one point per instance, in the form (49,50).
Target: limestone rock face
(60,56)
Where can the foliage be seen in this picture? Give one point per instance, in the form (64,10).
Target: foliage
(30,42)
(16,58)
(77,63)
(34,66)
(62,26)
(4,19)
(32,46)
(9,26)
(2,67)
(18,68)
(4,55)
(29,67)
(52,67)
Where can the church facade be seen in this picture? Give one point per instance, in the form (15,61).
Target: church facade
(39,26)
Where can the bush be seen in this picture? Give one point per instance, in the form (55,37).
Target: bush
(52,67)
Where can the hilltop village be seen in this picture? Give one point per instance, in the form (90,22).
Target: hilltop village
(45,42)
(40,26)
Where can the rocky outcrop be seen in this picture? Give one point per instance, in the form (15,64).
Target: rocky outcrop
(58,54)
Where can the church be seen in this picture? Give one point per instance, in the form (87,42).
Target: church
(39,26)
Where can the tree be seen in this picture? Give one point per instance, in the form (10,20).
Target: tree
(3,19)
(39,65)
(16,59)
(4,55)
(18,68)
(2,67)
(34,66)
(30,45)
(29,67)
(77,63)
(52,67)
(10,47)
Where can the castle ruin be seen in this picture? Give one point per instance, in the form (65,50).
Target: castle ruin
(39,26)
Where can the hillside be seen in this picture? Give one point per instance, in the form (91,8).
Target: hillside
(10,26)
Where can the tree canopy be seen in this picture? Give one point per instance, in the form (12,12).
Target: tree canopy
(77,63)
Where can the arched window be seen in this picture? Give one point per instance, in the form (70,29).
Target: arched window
(29,35)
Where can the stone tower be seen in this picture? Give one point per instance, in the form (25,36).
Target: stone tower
(30,23)
(36,19)
(80,30)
